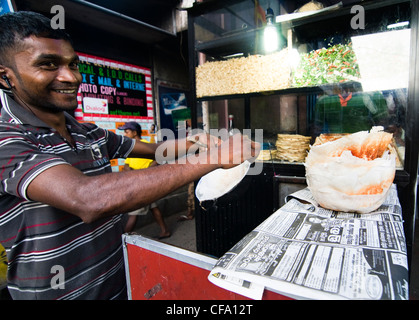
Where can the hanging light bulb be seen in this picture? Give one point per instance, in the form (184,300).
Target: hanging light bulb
(270,34)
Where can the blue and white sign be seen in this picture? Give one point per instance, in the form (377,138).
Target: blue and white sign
(6,6)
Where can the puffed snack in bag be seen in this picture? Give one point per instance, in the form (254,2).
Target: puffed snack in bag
(353,173)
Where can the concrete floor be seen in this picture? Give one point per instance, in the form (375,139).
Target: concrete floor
(171,207)
(183,232)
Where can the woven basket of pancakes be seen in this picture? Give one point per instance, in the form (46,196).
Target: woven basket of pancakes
(351,173)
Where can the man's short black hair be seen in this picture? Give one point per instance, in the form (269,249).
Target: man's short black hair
(16,26)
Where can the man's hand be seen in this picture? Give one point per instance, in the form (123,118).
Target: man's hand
(204,141)
(233,151)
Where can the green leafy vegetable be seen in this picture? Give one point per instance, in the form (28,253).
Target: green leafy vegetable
(332,65)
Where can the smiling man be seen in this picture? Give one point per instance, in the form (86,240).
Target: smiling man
(60,203)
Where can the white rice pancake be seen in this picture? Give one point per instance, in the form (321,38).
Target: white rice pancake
(221,181)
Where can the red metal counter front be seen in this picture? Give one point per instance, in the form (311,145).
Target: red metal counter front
(158,271)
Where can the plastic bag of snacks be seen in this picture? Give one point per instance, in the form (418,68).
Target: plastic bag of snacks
(352,173)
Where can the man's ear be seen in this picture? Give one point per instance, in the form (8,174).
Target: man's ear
(2,74)
(4,79)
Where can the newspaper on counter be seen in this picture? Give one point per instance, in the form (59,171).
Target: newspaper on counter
(304,251)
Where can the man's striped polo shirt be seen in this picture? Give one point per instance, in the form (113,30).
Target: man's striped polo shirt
(41,240)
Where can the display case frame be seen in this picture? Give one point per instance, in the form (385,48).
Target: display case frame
(406,177)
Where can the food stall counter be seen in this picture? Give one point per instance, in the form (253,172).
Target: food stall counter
(159,271)
(302,251)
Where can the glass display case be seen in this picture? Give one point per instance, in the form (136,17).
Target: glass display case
(306,72)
